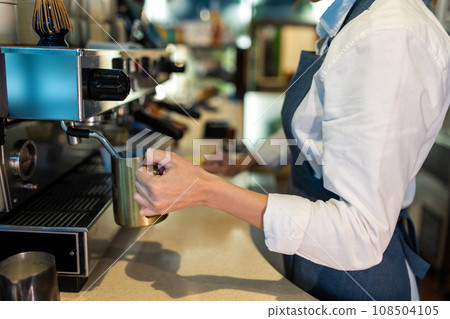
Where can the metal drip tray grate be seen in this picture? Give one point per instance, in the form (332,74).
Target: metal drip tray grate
(72,201)
(47,219)
(64,204)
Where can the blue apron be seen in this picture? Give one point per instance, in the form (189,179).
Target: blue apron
(388,280)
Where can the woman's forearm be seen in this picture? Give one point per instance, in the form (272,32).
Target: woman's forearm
(241,203)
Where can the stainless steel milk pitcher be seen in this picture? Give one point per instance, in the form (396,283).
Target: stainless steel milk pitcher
(29,276)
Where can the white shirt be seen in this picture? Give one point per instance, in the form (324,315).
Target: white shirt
(377,104)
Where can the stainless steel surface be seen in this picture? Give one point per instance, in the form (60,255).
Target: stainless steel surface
(8,22)
(29,276)
(126,209)
(23,172)
(47,83)
(106,118)
(99,237)
(72,140)
(23,159)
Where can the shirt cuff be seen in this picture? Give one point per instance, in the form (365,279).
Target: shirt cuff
(286,221)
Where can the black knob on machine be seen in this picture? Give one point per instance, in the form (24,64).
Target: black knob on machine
(118,63)
(168,66)
(105,85)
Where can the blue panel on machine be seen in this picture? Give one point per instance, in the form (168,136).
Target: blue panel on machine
(42,86)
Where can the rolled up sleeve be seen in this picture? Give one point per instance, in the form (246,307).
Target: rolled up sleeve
(283,230)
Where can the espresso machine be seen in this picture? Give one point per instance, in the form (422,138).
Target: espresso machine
(55,192)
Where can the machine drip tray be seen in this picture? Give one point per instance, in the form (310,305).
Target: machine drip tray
(68,219)
(72,201)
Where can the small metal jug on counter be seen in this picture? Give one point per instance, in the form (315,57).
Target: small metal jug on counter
(29,276)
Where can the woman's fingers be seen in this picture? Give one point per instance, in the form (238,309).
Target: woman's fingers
(163,158)
(144,192)
(144,176)
(146,208)
(144,196)
(141,200)
(145,211)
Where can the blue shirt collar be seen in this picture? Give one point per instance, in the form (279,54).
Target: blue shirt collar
(330,22)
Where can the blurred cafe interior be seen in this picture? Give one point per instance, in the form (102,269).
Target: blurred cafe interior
(162,74)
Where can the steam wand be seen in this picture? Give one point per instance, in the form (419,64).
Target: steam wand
(83,133)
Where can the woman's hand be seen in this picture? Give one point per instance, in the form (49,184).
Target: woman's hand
(180,185)
(227,167)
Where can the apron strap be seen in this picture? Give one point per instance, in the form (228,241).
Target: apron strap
(410,247)
(358,7)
